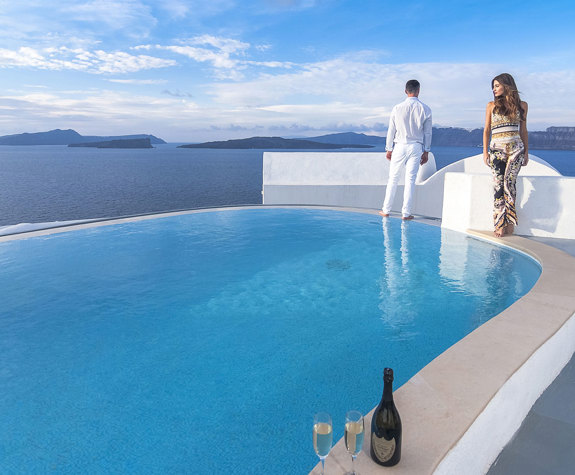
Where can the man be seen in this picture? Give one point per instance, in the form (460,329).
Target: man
(408,143)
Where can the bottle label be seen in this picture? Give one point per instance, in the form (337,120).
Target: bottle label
(383,449)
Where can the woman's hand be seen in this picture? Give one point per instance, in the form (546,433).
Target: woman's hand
(525,159)
(486,158)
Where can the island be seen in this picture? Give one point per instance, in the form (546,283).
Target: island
(67,137)
(121,143)
(273,143)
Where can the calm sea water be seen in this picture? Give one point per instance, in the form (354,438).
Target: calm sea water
(57,183)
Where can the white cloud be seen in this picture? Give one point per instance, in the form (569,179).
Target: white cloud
(364,93)
(280,5)
(196,8)
(310,99)
(218,59)
(225,45)
(73,22)
(226,56)
(78,59)
(113,14)
(138,82)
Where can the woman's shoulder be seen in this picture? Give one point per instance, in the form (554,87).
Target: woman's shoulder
(524,105)
(490,105)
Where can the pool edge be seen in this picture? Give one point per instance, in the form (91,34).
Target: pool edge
(99,222)
(461,409)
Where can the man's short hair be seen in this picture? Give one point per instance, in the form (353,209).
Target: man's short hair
(412,86)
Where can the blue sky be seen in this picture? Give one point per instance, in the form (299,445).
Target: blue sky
(194,70)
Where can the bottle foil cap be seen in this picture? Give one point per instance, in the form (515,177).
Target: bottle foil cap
(388,375)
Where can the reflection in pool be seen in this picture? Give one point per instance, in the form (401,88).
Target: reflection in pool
(204,343)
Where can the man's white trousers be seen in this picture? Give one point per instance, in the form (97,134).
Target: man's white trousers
(408,156)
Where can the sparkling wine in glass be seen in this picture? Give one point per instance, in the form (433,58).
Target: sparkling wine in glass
(354,430)
(322,436)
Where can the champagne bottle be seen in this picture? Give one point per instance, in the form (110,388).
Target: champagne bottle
(386,426)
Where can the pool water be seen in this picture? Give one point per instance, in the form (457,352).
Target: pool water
(205,343)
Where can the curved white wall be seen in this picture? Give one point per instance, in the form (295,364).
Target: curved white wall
(356,179)
(545,204)
(460,194)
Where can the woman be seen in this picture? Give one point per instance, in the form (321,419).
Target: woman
(506,125)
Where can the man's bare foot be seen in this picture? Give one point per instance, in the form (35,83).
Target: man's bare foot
(385,215)
(509,228)
(407,218)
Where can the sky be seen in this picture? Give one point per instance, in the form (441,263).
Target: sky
(199,70)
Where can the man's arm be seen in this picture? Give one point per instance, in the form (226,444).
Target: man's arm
(427,131)
(390,134)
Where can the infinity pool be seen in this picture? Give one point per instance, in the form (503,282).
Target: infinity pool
(205,343)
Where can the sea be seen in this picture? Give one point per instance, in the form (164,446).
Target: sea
(47,183)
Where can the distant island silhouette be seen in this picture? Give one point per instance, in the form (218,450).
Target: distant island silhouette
(553,138)
(67,137)
(120,143)
(273,143)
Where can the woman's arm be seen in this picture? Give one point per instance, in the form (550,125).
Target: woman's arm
(487,132)
(523,133)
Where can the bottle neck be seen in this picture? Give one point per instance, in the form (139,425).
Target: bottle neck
(387,392)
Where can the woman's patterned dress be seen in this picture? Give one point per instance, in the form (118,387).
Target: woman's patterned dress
(505,157)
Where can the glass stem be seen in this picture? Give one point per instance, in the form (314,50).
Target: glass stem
(322,465)
(353,464)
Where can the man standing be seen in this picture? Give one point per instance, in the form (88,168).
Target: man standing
(408,143)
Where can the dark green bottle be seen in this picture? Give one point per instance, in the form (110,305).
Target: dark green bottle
(386,426)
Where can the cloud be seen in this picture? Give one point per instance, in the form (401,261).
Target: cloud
(196,9)
(226,56)
(364,93)
(308,99)
(96,62)
(92,109)
(282,5)
(177,93)
(138,82)
(112,14)
(74,22)
(342,87)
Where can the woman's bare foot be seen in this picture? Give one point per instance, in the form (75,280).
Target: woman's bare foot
(500,232)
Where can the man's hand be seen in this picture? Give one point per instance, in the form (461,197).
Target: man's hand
(424,158)
(388,155)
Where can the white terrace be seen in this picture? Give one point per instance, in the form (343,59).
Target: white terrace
(459,194)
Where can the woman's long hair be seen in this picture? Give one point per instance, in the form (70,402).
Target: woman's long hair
(508,103)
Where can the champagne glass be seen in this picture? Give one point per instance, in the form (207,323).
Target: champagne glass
(354,430)
(322,436)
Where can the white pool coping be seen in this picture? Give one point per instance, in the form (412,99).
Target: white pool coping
(461,409)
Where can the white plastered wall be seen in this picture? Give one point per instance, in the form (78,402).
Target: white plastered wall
(545,204)
(359,179)
(354,179)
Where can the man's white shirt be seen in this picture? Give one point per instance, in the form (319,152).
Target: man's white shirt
(410,122)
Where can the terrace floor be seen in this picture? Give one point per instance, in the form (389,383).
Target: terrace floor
(546,440)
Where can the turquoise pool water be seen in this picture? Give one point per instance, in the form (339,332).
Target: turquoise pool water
(205,343)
